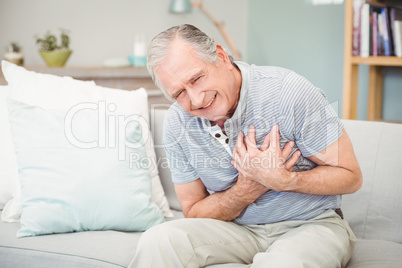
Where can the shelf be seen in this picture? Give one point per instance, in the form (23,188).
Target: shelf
(351,74)
(378,60)
(128,78)
(106,76)
(92,71)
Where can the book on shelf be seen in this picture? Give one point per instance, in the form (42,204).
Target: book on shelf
(386,32)
(395,14)
(398,37)
(373,35)
(365,30)
(374,28)
(357,7)
(381,35)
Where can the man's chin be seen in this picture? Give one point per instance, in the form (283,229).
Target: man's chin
(218,119)
(212,116)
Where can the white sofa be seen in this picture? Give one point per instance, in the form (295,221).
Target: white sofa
(374,213)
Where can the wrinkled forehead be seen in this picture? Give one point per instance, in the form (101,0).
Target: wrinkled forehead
(178,67)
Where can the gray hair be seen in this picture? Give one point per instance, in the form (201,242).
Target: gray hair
(204,46)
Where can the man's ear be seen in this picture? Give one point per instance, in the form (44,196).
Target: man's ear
(222,54)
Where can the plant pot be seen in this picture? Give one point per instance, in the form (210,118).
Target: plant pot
(14,57)
(55,58)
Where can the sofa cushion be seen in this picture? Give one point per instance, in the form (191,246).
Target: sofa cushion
(375,254)
(157,118)
(375,211)
(68,182)
(85,249)
(95,249)
(47,90)
(8,164)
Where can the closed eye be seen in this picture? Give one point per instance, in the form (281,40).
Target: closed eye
(178,94)
(195,80)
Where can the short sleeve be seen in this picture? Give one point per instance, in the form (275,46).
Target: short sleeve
(313,120)
(181,169)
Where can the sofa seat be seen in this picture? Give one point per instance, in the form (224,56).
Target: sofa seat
(375,254)
(116,249)
(81,249)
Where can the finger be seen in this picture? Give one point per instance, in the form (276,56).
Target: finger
(250,141)
(235,147)
(265,143)
(238,159)
(289,165)
(240,145)
(238,166)
(274,139)
(234,152)
(287,149)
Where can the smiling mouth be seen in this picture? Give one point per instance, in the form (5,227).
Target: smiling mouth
(210,102)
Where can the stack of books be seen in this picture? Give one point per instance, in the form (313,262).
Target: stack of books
(377,29)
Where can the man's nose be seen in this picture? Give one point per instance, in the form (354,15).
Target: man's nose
(196,98)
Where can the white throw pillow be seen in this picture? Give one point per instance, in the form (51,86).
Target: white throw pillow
(8,164)
(75,166)
(31,87)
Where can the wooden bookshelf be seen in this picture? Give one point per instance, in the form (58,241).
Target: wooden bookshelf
(378,61)
(351,75)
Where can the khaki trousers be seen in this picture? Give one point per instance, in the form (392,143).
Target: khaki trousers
(323,242)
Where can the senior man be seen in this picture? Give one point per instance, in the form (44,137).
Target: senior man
(259,160)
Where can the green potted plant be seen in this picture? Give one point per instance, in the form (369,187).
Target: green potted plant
(14,54)
(54,54)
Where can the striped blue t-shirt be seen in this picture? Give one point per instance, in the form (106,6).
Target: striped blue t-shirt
(269,96)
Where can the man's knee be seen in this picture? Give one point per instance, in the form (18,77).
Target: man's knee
(162,234)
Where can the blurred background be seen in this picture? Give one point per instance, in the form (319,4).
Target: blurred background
(294,34)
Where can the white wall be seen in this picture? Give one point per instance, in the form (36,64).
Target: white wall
(103,29)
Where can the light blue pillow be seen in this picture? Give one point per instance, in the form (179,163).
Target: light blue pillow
(66,188)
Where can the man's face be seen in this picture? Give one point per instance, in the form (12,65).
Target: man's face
(202,89)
